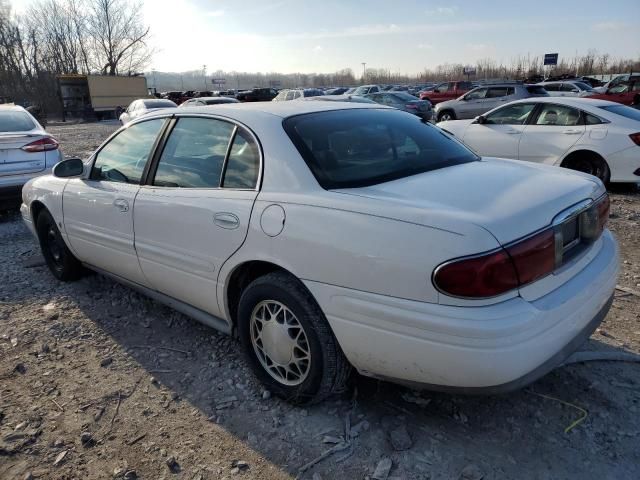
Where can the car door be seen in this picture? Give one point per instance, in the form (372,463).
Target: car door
(499,135)
(553,131)
(569,90)
(471,105)
(98,209)
(194,213)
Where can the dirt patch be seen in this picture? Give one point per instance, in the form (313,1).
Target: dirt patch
(97,381)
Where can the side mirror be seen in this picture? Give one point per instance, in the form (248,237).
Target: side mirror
(481,119)
(72,167)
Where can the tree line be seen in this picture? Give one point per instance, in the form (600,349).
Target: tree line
(68,36)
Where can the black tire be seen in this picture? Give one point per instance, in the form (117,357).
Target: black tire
(446,115)
(62,263)
(328,369)
(590,163)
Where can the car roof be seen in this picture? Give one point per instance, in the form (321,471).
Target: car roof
(226,99)
(577,102)
(13,108)
(278,109)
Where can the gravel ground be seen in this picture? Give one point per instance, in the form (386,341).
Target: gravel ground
(97,381)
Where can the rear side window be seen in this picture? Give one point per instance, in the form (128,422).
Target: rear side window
(496,92)
(559,115)
(194,154)
(357,148)
(12,121)
(243,163)
(123,159)
(552,87)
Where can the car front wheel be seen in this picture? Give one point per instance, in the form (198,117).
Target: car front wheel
(446,115)
(288,340)
(58,257)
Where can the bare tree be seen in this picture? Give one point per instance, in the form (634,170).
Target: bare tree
(118,36)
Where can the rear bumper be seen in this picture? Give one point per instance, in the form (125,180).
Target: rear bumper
(623,164)
(485,349)
(9,184)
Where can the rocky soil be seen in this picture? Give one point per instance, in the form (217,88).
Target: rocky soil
(97,381)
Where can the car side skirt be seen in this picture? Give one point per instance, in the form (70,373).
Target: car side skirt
(188,310)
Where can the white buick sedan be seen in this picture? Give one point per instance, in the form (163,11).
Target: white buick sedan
(330,235)
(598,137)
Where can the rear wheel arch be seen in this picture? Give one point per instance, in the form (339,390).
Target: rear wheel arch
(578,159)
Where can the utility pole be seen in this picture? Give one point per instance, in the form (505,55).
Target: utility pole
(204,75)
(364,71)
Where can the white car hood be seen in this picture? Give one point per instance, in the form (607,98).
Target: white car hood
(508,198)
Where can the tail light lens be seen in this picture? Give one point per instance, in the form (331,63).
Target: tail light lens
(42,145)
(635,138)
(534,257)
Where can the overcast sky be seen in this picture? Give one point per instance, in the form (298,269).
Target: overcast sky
(404,36)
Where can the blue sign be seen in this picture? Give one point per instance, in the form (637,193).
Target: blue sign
(550,58)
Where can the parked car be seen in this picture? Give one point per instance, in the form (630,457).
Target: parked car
(428,266)
(350,91)
(203,101)
(482,99)
(257,95)
(339,98)
(626,92)
(616,81)
(144,106)
(336,91)
(404,101)
(26,151)
(365,89)
(593,136)
(568,88)
(297,93)
(446,91)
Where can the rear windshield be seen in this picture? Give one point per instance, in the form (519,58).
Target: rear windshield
(405,96)
(623,110)
(12,121)
(215,101)
(362,147)
(536,90)
(159,104)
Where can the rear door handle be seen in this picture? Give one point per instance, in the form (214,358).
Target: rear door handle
(571,132)
(226,220)
(121,204)
(513,132)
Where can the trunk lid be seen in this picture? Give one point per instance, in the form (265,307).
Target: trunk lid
(13,160)
(510,199)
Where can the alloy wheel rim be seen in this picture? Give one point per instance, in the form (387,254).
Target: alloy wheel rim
(280,342)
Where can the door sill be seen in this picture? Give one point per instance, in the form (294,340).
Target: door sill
(189,310)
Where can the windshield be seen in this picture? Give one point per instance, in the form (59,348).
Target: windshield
(159,104)
(362,147)
(12,121)
(624,111)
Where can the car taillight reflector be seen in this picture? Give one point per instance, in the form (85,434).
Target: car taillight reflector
(635,138)
(603,207)
(534,257)
(42,145)
(476,277)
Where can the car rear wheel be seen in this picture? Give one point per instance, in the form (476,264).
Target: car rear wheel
(288,341)
(59,258)
(446,115)
(590,163)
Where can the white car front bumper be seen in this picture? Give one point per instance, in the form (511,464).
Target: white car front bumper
(487,349)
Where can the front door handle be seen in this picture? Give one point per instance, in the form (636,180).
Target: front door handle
(121,204)
(513,132)
(226,220)
(571,132)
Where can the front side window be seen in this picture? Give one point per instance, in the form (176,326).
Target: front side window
(123,159)
(552,87)
(569,87)
(357,148)
(194,154)
(476,94)
(443,87)
(243,163)
(511,115)
(558,115)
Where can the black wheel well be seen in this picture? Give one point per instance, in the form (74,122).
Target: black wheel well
(242,276)
(36,208)
(580,153)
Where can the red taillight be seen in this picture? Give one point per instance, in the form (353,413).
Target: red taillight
(534,257)
(498,272)
(635,138)
(603,207)
(476,277)
(42,145)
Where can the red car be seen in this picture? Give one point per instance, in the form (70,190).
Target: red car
(446,91)
(626,92)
